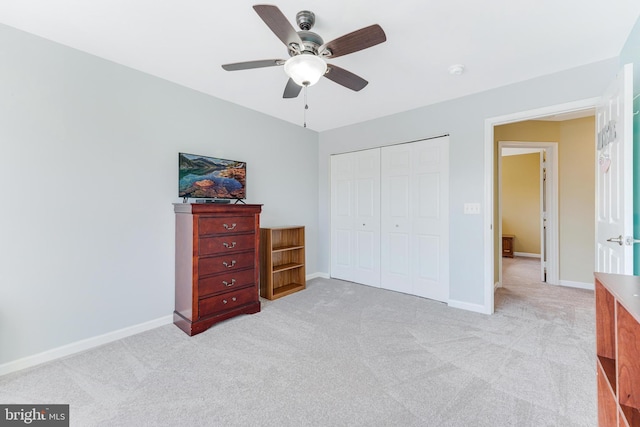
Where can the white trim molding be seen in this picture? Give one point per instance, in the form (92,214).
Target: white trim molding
(82,345)
(579,285)
(526,255)
(478,308)
(318,275)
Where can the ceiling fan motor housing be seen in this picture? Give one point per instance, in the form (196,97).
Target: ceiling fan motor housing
(310,43)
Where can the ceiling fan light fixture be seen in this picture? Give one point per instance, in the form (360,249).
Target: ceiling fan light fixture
(305,69)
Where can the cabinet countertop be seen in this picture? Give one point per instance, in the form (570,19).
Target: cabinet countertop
(625,289)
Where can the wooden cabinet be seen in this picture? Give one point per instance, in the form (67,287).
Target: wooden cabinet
(618,349)
(507,245)
(217,268)
(282,257)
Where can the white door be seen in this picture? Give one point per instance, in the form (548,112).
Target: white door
(543,216)
(415,220)
(614,178)
(355,217)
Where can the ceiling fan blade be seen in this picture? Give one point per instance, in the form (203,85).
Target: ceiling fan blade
(292,90)
(355,41)
(278,23)
(345,78)
(253,64)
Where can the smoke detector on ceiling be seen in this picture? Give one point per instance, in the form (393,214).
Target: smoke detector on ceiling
(456,70)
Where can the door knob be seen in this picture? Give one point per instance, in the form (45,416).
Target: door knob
(617,240)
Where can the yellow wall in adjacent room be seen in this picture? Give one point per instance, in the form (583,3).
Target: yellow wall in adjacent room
(521,201)
(577,199)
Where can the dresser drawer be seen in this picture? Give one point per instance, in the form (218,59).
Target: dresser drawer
(226,225)
(225,263)
(226,281)
(225,244)
(220,303)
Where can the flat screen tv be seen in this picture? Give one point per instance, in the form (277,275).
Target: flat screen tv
(205,177)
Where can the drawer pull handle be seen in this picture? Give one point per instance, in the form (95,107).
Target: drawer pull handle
(233,282)
(229,227)
(224,301)
(229,246)
(233,299)
(226,264)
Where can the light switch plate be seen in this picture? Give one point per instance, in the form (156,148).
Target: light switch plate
(472,208)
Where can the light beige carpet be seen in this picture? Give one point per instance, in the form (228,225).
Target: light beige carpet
(342,354)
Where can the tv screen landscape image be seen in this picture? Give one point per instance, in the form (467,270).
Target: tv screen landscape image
(206,177)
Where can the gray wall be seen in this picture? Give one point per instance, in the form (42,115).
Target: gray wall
(88,173)
(631,53)
(463,119)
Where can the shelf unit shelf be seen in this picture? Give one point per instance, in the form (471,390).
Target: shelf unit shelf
(618,349)
(282,261)
(283,267)
(287,248)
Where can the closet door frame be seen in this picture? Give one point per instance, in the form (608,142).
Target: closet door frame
(416,220)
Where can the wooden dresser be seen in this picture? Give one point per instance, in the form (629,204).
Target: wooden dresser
(217,263)
(618,349)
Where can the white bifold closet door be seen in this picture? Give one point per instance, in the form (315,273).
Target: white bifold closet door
(355,217)
(389,217)
(415,218)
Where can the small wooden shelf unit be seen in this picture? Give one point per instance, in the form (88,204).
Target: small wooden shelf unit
(618,349)
(282,258)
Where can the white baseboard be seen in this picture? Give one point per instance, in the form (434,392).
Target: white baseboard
(477,308)
(526,255)
(579,285)
(82,345)
(318,274)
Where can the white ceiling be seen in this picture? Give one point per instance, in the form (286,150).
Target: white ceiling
(185,41)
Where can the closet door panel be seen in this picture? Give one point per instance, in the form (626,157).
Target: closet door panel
(342,216)
(430,222)
(343,251)
(355,177)
(399,255)
(428,196)
(367,218)
(396,185)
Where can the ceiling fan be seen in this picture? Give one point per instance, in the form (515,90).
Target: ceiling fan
(308,51)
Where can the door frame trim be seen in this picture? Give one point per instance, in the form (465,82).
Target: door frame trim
(553,240)
(490,181)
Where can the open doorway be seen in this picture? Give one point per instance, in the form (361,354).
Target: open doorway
(528,206)
(492,230)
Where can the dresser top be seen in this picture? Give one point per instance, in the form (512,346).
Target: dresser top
(625,289)
(217,208)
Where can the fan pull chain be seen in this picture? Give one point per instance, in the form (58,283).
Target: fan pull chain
(306,106)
